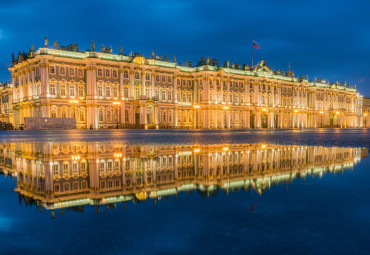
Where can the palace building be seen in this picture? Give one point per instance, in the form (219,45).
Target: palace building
(104,90)
(70,175)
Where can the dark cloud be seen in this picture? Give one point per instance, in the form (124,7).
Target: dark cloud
(322,38)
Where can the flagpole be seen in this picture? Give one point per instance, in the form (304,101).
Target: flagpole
(252,55)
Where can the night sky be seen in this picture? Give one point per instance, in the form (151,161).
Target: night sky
(327,39)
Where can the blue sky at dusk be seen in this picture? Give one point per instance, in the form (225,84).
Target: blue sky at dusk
(327,39)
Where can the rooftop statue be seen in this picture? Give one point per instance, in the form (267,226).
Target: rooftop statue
(92,46)
(121,50)
(56,45)
(75,47)
(174,58)
(46,42)
(102,48)
(153,55)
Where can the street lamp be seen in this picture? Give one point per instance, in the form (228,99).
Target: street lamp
(117,104)
(321,112)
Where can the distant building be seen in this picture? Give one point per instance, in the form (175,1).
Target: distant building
(105,90)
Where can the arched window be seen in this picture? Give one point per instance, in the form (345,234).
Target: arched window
(81,91)
(109,116)
(82,115)
(62,70)
(125,74)
(64,114)
(126,116)
(125,92)
(100,91)
(115,91)
(63,91)
(52,89)
(101,116)
(170,116)
(72,90)
(147,92)
(107,90)
(137,77)
(137,92)
(169,95)
(115,74)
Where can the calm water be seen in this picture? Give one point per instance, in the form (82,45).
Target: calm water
(176,192)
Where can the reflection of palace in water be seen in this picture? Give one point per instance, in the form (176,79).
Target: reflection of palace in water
(57,175)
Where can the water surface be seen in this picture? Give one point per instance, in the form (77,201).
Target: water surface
(181,192)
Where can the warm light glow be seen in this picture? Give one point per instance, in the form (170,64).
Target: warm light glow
(264,109)
(116,103)
(117,155)
(197,150)
(295,111)
(75,157)
(226,107)
(365,114)
(73,101)
(337,112)
(321,112)
(225,148)
(263,146)
(196,106)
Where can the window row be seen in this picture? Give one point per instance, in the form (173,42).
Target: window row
(66,71)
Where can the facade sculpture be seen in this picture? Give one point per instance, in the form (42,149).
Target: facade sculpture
(155,93)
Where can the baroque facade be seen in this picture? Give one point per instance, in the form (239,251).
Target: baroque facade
(105,90)
(63,175)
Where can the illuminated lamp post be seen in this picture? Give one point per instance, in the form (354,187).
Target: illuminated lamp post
(322,113)
(117,104)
